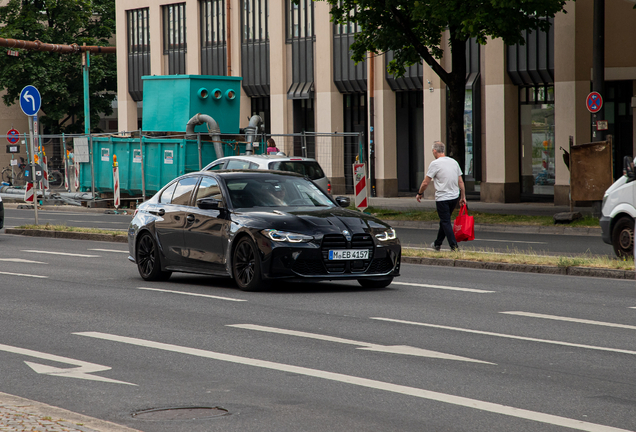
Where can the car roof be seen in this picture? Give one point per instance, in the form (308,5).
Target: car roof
(261,158)
(242,172)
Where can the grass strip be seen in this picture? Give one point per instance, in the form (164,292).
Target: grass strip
(480,217)
(525,257)
(65,228)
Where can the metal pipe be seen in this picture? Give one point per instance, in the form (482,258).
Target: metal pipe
(251,133)
(66,49)
(213,130)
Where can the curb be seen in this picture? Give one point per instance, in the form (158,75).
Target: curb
(519,229)
(524,268)
(68,235)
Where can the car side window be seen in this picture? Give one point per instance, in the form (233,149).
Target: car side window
(237,164)
(183,192)
(253,165)
(166,195)
(216,166)
(209,188)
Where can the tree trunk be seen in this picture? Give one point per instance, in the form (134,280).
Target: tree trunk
(457,94)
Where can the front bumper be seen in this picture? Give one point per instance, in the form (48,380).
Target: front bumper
(606,233)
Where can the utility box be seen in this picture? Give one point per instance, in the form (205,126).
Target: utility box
(171,100)
(591,170)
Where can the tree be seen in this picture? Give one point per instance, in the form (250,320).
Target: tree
(58,76)
(413,30)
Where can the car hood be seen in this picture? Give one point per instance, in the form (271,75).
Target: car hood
(313,220)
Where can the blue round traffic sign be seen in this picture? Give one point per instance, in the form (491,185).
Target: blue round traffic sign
(13,136)
(30,100)
(594,102)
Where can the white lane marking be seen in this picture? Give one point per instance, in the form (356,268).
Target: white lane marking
(392,349)
(20,260)
(576,320)
(25,275)
(368,383)
(192,294)
(443,287)
(632,307)
(62,253)
(108,250)
(553,342)
(82,371)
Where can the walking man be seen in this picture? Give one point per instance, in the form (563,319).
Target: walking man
(449,188)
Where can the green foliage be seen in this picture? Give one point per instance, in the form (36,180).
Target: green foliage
(57,76)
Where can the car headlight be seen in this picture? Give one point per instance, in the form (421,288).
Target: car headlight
(284,236)
(387,235)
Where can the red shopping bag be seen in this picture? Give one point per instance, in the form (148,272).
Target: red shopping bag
(464,227)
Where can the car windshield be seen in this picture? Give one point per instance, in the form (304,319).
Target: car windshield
(275,191)
(310,169)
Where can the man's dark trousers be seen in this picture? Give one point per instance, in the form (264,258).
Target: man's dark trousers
(444,210)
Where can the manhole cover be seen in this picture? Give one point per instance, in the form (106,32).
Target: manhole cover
(179,413)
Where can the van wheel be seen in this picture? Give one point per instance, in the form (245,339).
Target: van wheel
(623,237)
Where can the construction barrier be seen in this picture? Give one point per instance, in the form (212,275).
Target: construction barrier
(28,193)
(116,182)
(360,183)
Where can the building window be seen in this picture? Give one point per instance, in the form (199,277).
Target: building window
(300,19)
(138,33)
(536,115)
(254,20)
(174,37)
(213,39)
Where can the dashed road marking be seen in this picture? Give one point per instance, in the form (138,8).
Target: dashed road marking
(62,253)
(24,275)
(576,320)
(192,294)
(473,290)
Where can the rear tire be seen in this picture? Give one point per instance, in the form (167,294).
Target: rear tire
(246,266)
(376,282)
(148,261)
(623,237)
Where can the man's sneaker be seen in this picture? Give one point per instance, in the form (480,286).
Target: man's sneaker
(455,249)
(434,246)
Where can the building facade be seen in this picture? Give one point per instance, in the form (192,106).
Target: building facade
(523,103)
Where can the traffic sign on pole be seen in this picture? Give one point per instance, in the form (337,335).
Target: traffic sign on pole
(13,136)
(594,102)
(30,100)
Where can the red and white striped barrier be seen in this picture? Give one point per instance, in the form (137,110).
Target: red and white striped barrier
(45,174)
(77,179)
(360,185)
(116,182)
(67,168)
(28,193)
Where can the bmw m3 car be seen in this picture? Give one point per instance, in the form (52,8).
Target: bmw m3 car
(259,227)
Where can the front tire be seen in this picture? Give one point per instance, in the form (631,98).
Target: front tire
(148,261)
(376,282)
(623,237)
(246,266)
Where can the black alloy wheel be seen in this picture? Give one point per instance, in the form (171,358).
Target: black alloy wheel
(623,237)
(246,266)
(148,262)
(382,282)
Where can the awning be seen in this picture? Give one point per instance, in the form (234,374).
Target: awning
(301,90)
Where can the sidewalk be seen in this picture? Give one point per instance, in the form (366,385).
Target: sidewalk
(19,415)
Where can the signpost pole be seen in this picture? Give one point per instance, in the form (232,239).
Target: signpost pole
(32,173)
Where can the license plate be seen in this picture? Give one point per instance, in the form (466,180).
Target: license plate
(349,254)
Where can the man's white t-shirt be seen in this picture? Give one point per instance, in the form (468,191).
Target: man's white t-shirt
(445,173)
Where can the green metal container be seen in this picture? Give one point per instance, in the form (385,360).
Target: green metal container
(171,100)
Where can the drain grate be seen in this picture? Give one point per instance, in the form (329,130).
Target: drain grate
(179,413)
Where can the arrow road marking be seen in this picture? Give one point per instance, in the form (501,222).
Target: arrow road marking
(27,96)
(394,349)
(576,320)
(367,383)
(81,372)
(553,342)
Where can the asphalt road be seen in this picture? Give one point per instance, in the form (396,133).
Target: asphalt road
(490,241)
(441,349)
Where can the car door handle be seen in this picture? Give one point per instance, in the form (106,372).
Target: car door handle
(190,218)
(161,212)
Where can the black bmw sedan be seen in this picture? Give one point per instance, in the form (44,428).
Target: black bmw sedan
(258,227)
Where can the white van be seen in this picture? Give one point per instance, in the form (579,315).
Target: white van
(619,211)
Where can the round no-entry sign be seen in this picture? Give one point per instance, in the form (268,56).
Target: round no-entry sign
(594,102)
(13,136)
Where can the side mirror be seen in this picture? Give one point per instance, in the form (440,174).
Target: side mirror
(628,168)
(343,201)
(208,203)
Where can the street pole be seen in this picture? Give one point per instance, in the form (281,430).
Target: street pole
(35,189)
(598,65)
(86,60)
